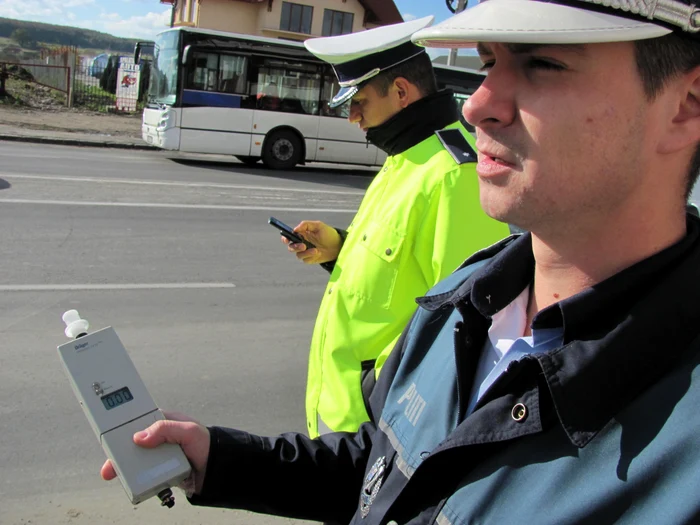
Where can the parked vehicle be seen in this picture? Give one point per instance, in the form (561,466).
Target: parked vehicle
(98,65)
(257,98)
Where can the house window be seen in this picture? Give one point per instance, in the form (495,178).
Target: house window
(296,17)
(336,22)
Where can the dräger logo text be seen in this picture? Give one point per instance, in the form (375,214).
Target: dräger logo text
(80,346)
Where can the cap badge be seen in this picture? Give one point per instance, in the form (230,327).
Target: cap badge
(674,12)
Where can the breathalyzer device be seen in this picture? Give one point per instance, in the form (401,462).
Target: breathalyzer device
(117,405)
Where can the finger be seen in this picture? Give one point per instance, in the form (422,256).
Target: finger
(308,226)
(309,256)
(179,416)
(284,240)
(107,471)
(165,431)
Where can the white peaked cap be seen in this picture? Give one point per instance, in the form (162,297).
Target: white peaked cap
(563,22)
(358,57)
(344,48)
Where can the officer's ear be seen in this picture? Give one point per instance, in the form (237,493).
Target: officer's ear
(684,126)
(404,91)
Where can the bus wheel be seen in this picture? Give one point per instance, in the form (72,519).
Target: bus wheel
(282,150)
(247,159)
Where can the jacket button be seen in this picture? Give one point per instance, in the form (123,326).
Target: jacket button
(519,412)
(386,168)
(388,251)
(330,290)
(364,237)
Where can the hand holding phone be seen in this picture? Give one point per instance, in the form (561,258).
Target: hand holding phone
(289,233)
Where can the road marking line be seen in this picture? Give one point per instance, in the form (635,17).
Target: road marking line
(133,286)
(176,206)
(176,183)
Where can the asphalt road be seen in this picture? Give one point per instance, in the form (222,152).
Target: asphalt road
(178,257)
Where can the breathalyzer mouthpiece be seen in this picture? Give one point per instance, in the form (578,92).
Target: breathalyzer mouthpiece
(75,326)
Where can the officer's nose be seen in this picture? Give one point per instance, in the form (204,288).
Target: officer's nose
(494,103)
(355,114)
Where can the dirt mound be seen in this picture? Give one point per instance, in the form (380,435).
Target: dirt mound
(20,73)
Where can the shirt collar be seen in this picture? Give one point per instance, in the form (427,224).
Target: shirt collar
(616,333)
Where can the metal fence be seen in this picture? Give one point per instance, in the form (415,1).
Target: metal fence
(98,85)
(55,77)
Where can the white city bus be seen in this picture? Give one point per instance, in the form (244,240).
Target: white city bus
(256,98)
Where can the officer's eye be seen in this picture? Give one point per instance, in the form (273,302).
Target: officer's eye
(532,63)
(545,63)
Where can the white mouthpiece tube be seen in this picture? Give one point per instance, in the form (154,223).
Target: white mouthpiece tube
(75,326)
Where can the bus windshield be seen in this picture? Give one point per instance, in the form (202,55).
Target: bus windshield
(163,86)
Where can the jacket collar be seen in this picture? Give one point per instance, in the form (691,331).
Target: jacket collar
(620,336)
(415,123)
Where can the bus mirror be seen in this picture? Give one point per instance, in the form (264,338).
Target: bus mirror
(186,55)
(137,52)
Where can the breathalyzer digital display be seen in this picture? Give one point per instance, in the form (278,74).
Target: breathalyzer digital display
(117,398)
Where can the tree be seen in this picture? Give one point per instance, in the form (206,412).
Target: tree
(22,37)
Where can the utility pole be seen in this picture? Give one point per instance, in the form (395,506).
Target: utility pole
(3,76)
(461,6)
(172,12)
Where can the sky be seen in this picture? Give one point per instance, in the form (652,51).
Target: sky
(144,18)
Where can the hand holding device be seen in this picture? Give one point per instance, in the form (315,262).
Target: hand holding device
(181,429)
(117,405)
(289,233)
(327,240)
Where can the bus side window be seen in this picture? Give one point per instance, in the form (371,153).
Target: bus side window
(232,72)
(228,85)
(204,71)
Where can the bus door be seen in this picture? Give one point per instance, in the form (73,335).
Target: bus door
(212,117)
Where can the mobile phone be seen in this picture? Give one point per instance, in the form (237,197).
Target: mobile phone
(289,233)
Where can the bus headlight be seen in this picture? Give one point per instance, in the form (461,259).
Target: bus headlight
(167,120)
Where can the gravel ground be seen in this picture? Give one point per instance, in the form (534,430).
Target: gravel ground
(64,119)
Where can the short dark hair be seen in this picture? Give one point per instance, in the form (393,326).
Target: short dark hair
(418,70)
(658,61)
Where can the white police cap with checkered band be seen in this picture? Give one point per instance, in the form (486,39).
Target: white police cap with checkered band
(357,57)
(563,22)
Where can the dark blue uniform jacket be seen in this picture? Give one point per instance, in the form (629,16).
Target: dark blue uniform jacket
(604,429)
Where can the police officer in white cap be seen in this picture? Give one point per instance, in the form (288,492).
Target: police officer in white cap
(555,378)
(419,219)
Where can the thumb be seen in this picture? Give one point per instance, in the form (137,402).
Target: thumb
(191,436)
(164,431)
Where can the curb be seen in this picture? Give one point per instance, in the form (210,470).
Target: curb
(76,142)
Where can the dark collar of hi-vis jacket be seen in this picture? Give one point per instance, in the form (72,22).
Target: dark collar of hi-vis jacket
(640,321)
(415,123)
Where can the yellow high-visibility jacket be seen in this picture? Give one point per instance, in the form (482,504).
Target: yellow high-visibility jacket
(419,220)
